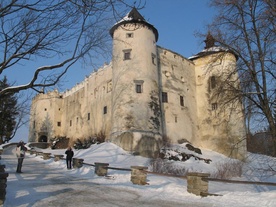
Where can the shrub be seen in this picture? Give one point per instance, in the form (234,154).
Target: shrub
(162,166)
(59,142)
(228,170)
(86,143)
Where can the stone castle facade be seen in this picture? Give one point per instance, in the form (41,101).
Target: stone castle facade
(146,96)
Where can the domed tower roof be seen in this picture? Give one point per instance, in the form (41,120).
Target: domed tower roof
(134,17)
(211,48)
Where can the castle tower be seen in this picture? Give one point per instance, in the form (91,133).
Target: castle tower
(220,120)
(136,122)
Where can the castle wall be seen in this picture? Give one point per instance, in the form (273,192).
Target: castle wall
(87,110)
(178,81)
(81,112)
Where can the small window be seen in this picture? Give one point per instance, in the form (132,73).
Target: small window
(45,109)
(34,125)
(77,119)
(58,123)
(88,116)
(153,59)
(181,101)
(175,119)
(214,106)
(213,82)
(70,122)
(129,35)
(105,110)
(127,54)
(139,86)
(164,97)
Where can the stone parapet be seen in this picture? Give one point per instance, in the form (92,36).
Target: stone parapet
(138,175)
(196,185)
(101,168)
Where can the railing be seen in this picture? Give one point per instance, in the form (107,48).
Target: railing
(197,183)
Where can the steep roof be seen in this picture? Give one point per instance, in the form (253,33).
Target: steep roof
(210,48)
(134,17)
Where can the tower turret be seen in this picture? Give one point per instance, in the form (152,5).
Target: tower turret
(220,119)
(136,124)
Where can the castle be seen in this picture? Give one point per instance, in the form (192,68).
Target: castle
(145,97)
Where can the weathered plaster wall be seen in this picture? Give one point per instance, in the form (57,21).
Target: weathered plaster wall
(178,79)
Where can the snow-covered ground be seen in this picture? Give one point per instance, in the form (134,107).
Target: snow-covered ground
(160,190)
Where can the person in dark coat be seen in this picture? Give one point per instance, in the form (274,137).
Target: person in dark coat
(20,153)
(69,155)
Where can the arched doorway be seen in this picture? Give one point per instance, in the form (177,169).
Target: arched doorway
(43,138)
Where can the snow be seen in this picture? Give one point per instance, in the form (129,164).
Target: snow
(160,191)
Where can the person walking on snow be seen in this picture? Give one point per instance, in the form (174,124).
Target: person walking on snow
(69,155)
(20,153)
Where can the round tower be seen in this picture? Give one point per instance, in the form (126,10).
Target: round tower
(220,119)
(136,122)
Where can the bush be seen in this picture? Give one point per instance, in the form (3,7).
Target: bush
(86,143)
(59,142)
(228,170)
(162,166)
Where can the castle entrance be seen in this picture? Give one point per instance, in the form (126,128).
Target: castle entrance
(43,138)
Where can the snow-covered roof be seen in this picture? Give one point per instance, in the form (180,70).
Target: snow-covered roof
(209,51)
(134,17)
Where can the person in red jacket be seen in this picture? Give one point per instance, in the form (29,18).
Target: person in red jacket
(69,155)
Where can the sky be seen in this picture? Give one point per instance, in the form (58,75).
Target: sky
(177,21)
(49,183)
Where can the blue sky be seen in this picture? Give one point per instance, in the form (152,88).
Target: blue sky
(176,21)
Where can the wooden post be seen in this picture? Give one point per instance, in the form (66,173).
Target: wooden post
(101,168)
(77,162)
(138,175)
(196,184)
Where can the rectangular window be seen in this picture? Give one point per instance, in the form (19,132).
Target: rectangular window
(181,101)
(70,122)
(105,110)
(127,54)
(138,86)
(58,123)
(214,106)
(88,116)
(213,82)
(164,97)
(129,35)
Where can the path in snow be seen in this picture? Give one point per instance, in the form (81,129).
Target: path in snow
(42,185)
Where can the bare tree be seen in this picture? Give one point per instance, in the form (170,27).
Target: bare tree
(247,28)
(43,29)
